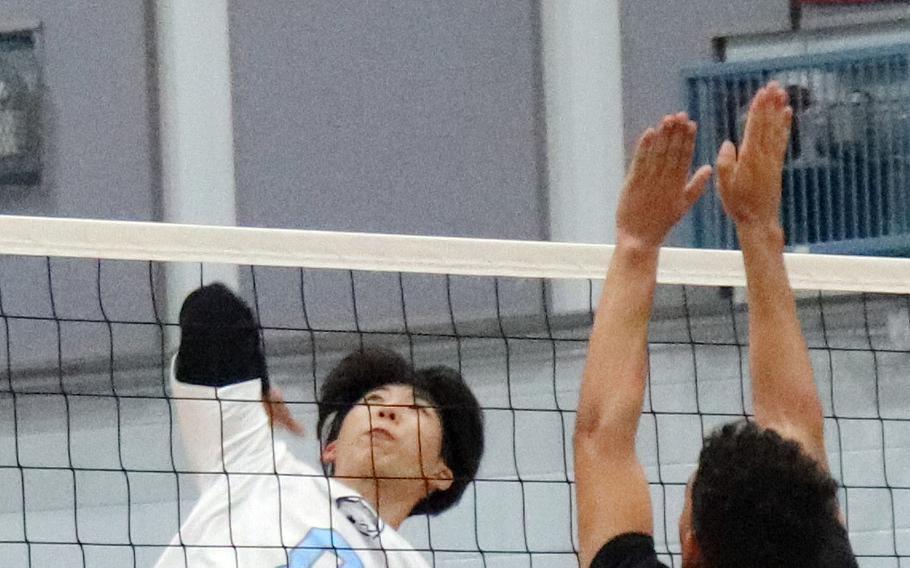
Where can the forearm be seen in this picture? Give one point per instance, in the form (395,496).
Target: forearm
(770,297)
(221,428)
(612,488)
(782,379)
(612,391)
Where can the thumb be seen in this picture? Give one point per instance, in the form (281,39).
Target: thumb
(279,414)
(696,186)
(726,164)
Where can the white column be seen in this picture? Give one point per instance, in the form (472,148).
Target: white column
(582,71)
(196,130)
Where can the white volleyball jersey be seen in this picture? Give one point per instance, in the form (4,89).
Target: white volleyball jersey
(260,507)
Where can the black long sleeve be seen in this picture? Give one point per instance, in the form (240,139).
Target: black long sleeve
(219,340)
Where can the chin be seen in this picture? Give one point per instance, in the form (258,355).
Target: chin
(395,470)
(382,461)
(394,467)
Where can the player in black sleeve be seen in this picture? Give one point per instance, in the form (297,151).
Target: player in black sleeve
(396,441)
(762,496)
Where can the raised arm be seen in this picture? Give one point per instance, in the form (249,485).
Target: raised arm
(783,388)
(613,495)
(218,378)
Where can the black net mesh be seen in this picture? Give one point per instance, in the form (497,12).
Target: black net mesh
(90,450)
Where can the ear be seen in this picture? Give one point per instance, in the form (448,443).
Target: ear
(329,452)
(441,479)
(690,549)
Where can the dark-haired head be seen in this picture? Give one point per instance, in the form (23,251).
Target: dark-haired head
(453,416)
(758,500)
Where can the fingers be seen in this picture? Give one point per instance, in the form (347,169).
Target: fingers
(780,139)
(677,160)
(660,149)
(279,413)
(777,116)
(696,186)
(680,132)
(692,130)
(284,419)
(768,124)
(755,123)
(662,140)
(642,161)
(726,164)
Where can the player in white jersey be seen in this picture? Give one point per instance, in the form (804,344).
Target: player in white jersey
(395,442)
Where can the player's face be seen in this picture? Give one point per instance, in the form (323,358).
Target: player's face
(390,433)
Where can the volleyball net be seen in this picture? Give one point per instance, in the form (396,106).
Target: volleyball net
(90,459)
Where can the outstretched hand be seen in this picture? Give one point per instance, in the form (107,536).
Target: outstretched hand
(279,413)
(658,191)
(750,184)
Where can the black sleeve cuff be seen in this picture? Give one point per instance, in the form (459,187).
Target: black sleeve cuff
(219,340)
(630,550)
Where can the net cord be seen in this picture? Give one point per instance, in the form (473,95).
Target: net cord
(128,240)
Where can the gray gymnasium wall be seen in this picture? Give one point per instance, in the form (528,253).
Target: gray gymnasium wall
(389,116)
(100,162)
(392,116)
(382,116)
(99,147)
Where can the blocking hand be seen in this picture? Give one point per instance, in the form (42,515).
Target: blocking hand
(279,413)
(750,184)
(657,190)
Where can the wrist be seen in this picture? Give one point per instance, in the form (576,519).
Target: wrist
(764,231)
(637,249)
(636,255)
(635,245)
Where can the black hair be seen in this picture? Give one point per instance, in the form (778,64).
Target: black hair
(759,501)
(460,415)
(219,339)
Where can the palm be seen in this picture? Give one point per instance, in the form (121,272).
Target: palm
(656,194)
(750,184)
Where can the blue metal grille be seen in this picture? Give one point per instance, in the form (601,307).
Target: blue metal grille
(847,176)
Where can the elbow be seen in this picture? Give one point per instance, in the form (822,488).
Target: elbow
(605,429)
(587,422)
(592,422)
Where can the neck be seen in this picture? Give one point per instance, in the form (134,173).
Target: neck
(393,499)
